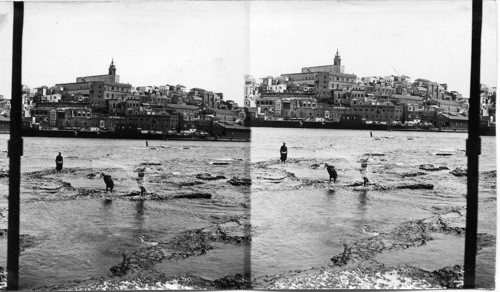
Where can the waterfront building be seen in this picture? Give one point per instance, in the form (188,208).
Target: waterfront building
(230,131)
(270,106)
(378,112)
(152,122)
(452,121)
(284,105)
(104,123)
(448,106)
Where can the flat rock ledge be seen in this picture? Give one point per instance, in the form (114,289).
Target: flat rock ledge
(240,181)
(399,277)
(459,172)
(136,196)
(431,167)
(158,282)
(208,176)
(378,187)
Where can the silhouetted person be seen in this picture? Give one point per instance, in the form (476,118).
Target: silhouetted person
(332,172)
(59,163)
(364,165)
(283,152)
(109,182)
(141,180)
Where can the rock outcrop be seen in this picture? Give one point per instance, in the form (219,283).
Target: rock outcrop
(431,167)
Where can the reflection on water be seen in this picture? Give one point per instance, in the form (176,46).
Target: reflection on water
(362,200)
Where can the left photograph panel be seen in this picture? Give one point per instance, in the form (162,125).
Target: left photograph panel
(135,168)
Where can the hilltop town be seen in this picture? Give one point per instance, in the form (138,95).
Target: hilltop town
(318,95)
(327,94)
(101,103)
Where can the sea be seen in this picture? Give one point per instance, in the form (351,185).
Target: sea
(296,227)
(293,227)
(82,238)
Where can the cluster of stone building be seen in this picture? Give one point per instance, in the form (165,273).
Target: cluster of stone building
(103,103)
(327,93)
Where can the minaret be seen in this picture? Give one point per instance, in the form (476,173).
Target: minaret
(336,60)
(112,68)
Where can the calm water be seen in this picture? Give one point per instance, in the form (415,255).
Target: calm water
(79,239)
(296,228)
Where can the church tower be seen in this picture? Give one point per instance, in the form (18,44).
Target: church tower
(336,60)
(112,68)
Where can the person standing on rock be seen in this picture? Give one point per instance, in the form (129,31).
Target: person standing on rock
(283,152)
(364,166)
(59,163)
(142,180)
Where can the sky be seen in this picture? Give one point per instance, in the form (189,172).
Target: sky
(213,44)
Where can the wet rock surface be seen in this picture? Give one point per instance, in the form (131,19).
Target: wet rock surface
(489,174)
(156,282)
(375,277)
(208,176)
(237,281)
(190,183)
(240,181)
(449,277)
(190,244)
(412,174)
(194,196)
(459,172)
(410,234)
(431,167)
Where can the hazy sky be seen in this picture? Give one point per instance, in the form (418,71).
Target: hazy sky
(212,44)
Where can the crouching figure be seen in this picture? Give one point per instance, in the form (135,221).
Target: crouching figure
(332,172)
(109,182)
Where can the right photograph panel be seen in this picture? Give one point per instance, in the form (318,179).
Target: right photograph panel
(359,115)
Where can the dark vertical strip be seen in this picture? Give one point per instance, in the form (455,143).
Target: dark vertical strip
(473,148)
(15,150)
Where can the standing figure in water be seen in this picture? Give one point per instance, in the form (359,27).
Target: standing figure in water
(59,163)
(108,181)
(364,165)
(283,152)
(332,172)
(141,180)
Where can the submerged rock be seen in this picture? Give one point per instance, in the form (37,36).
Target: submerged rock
(449,277)
(315,166)
(415,186)
(122,268)
(412,174)
(208,176)
(459,172)
(190,183)
(431,167)
(237,281)
(239,181)
(194,196)
(489,174)
(220,163)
